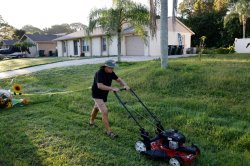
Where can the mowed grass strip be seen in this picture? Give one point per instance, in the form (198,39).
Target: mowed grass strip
(14,64)
(208,100)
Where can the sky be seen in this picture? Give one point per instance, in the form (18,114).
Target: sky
(45,13)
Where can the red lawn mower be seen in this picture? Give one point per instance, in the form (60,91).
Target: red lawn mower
(168,145)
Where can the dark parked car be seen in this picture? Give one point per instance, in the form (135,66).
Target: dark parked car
(13,52)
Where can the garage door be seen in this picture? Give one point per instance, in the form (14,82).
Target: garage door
(134,46)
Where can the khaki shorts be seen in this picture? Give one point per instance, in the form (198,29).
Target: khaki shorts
(100,104)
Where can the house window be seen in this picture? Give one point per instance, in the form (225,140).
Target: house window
(104,44)
(85,45)
(64,46)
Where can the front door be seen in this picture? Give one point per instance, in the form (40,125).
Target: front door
(75,47)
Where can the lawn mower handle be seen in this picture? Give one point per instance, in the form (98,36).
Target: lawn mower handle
(122,89)
(124,105)
(158,122)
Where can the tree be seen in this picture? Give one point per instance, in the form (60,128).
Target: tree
(164,33)
(185,8)
(232,29)
(202,45)
(164,26)
(6,30)
(112,20)
(209,24)
(243,9)
(24,46)
(219,5)
(189,8)
(77,26)
(210,21)
(29,29)
(18,33)
(1,20)
(55,29)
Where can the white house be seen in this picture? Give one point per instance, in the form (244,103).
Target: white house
(97,44)
(242,45)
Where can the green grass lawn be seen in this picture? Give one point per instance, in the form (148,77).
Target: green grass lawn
(13,64)
(207,100)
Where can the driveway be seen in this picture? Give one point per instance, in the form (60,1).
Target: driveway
(13,73)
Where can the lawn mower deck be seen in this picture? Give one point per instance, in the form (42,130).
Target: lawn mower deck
(168,145)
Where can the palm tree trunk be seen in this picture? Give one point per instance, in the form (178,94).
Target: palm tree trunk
(119,45)
(244,29)
(164,33)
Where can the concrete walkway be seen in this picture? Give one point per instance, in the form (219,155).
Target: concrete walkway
(13,73)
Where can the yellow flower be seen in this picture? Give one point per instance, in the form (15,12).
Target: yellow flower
(9,104)
(17,88)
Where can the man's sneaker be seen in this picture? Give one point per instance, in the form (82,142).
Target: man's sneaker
(92,125)
(112,135)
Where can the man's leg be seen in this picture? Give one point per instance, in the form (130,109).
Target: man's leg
(104,110)
(93,114)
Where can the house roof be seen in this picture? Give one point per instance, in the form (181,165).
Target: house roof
(73,35)
(80,34)
(178,27)
(185,27)
(41,38)
(9,42)
(98,31)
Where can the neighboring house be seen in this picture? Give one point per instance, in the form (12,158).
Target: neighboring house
(8,43)
(97,44)
(242,45)
(44,44)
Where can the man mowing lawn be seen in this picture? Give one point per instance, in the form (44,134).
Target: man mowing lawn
(100,89)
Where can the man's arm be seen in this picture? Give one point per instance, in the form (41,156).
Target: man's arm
(107,88)
(123,83)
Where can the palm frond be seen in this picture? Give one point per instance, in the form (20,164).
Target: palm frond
(96,17)
(113,20)
(229,17)
(242,7)
(139,14)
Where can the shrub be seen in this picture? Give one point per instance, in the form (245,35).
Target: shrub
(220,50)
(209,51)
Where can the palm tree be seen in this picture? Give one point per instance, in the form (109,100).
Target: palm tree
(1,19)
(242,10)
(122,12)
(163,26)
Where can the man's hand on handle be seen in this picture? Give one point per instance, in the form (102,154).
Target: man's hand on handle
(126,87)
(115,89)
